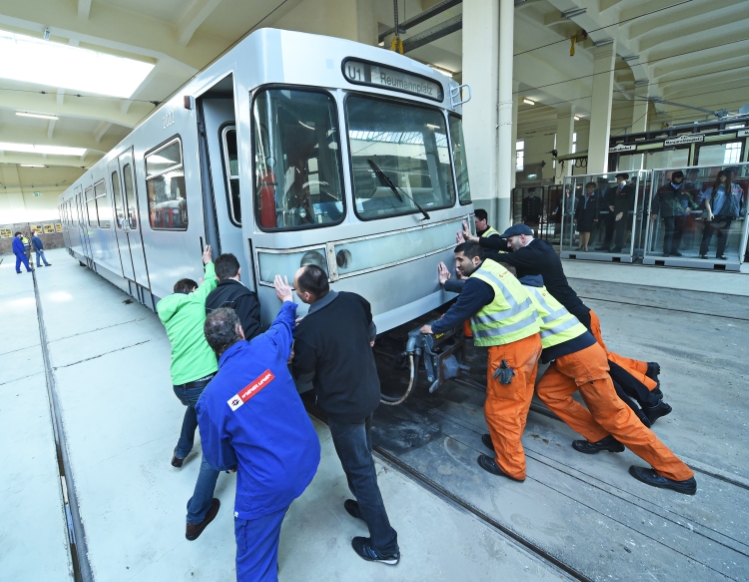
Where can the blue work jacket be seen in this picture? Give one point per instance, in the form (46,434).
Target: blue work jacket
(18,246)
(251,418)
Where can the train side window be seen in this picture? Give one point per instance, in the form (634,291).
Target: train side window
(398,143)
(459,158)
(119,214)
(130,201)
(103,206)
(165,181)
(231,173)
(297,157)
(90,206)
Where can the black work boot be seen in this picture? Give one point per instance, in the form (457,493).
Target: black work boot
(609,444)
(487,440)
(655,412)
(650,477)
(654,369)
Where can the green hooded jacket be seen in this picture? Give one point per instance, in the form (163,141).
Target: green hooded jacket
(183,316)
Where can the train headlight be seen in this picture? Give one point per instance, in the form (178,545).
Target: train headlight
(313,258)
(343,258)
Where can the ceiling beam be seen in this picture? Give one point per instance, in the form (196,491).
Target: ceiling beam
(655,22)
(195,15)
(51,128)
(84,9)
(101,130)
(686,34)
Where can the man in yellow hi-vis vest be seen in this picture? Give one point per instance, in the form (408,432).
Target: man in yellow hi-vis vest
(579,363)
(504,320)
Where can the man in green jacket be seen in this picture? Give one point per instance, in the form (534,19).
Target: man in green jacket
(193,365)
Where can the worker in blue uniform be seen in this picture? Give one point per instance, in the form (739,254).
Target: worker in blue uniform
(20,251)
(252,420)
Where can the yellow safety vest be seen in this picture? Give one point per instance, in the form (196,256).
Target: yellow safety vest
(511,316)
(557,324)
(491,231)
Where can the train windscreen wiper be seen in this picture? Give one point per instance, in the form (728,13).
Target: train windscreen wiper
(389,183)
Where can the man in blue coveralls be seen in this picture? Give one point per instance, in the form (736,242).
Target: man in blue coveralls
(252,420)
(20,251)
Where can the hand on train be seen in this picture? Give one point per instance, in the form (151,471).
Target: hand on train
(426,329)
(283,289)
(444,274)
(207,254)
(619,216)
(459,238)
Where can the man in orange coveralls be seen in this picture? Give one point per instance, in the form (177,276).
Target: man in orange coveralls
(504,320)
(608,424)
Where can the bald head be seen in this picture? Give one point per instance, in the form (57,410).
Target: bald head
(311,283)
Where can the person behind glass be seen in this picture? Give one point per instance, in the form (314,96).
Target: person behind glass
(673,204)
(192,367)
(586,215)
(620,200)
(252,421)
(333,349)
(532,208)
(724,201)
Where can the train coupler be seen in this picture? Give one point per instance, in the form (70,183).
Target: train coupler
(442,354)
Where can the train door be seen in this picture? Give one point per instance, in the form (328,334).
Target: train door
(220,176)
(131,220)
(120,226)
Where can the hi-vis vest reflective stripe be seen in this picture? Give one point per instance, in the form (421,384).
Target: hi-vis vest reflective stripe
(491,231)
(511,316)
(557,324)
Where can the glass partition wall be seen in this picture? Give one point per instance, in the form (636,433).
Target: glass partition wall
(602,216)
(697,217)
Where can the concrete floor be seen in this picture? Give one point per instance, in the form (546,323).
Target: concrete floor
(110,360)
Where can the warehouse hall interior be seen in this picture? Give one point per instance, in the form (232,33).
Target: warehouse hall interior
(374,290)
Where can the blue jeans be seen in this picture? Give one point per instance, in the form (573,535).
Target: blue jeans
(353,443)
(22,259)
(202,497)
(257,547)
(40,255)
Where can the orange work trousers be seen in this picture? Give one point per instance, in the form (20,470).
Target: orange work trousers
(635,367)
(587,371)
(507,405)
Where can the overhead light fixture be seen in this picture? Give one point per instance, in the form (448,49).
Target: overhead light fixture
(528,101)
(39,115)
(28,148)
(52,64)
(631,58)
(604,42)
(574,12)
(577,118)
(32,165)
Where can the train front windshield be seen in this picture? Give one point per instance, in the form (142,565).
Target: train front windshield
(401,147)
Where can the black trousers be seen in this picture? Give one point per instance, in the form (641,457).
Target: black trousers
(674,231)
(632,386)
(620,227)
(719,226)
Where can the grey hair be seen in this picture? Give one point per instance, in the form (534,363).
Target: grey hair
(221,329)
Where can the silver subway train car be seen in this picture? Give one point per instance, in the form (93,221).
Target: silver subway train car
(289,149)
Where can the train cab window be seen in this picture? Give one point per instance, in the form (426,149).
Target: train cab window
(119,214)
(165,181)
(401,147)
(297,160)
(90,206)
(459,158)
(231,170)
(103,206)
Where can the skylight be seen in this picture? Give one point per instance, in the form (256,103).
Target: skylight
(33,60)
(41,149)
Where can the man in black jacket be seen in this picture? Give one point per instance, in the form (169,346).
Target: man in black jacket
(619,200)
(230,292)
(333,348)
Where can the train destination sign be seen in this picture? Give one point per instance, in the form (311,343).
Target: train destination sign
(365,73)
(743,133)
(682,139)
(620,147)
